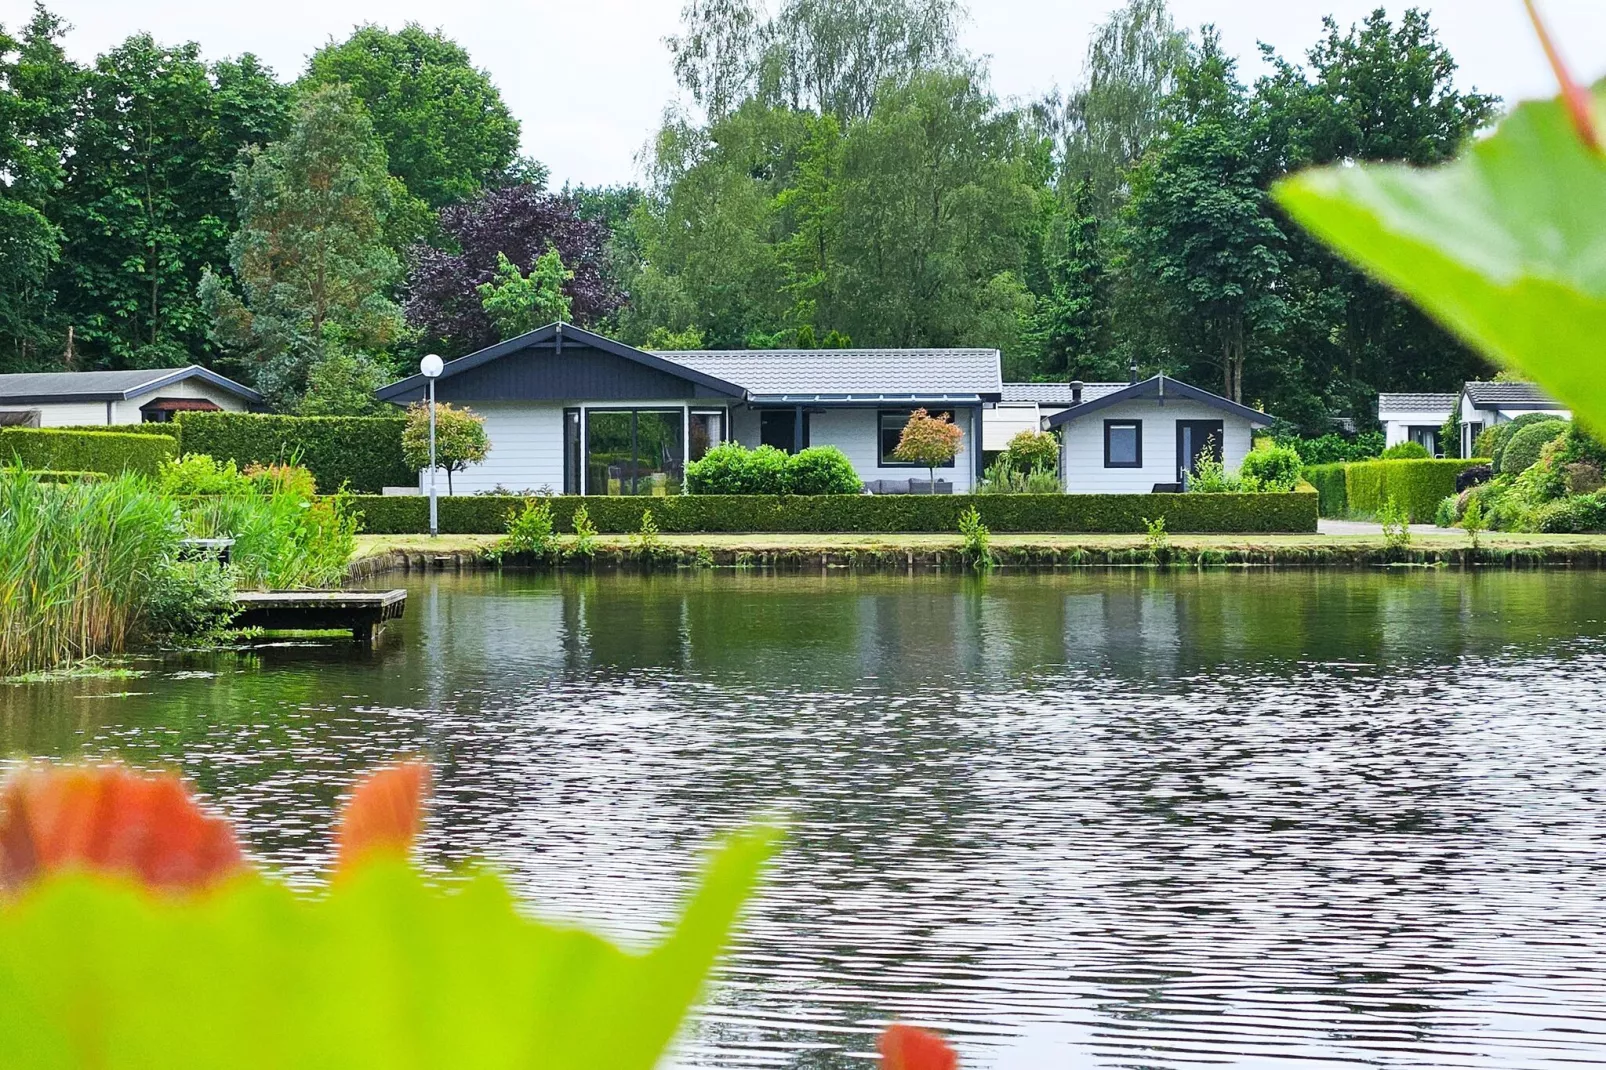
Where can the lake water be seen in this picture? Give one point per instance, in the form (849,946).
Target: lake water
(1113,819)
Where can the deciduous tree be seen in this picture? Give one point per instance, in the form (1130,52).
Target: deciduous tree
(929,440)
(460,438)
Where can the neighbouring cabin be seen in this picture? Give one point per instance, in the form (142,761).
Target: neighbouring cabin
(578,413)
(1484,405)
(1415,418)
(111,398)
(1149,436)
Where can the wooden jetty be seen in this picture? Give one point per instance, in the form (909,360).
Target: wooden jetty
(363,612)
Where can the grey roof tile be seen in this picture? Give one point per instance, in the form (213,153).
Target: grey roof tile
(1512,395)
(1057,393)
(1416,403)
(915,372)
(99,385)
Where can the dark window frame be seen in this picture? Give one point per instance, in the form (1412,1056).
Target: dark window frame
(1136,425)
(635,412)
(884,457)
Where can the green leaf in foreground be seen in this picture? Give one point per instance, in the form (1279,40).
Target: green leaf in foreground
(1506,246)
(387,970)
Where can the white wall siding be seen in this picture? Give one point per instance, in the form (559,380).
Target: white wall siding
(856,432)
(526,450)
(1083,448)
(74,414)
(1397,428)
(1007,420)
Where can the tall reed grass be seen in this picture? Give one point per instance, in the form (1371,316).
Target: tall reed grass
(79,563)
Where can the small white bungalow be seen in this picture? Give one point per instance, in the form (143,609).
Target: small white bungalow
(1415,418)
(1138,437)
(141,395)
(1486,404)
(582,414)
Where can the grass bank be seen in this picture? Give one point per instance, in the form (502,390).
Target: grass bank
(377,554)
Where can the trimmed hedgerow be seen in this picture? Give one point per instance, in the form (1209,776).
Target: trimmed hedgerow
(1417,486)
(1328,479)
(362,452)
(169,429)
(86,451)
(702,513)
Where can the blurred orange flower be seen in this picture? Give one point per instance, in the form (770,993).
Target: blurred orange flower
(903,1047)
(113,821)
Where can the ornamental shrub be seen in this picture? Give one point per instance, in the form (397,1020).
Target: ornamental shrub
(460,438)
(929,441)
(1488,441)
(362,452)
(1034,451)
(1576,515)
(1335,449)
(1406,451)
(722,470)
(111,452)
(822,470)
(1522,446)
(1512,429)
(1272,470)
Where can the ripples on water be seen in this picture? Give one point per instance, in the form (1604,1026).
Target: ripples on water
(1109,819)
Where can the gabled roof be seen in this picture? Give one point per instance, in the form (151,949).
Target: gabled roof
(869,375)
(47,387)
(1161,386)
(555,332)
(1057,393)
(1509,396)
(778,376)
(1416,403)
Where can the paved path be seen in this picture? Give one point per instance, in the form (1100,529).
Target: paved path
(1366,527)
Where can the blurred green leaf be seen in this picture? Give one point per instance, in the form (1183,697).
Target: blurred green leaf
(1506,246)
(389,969)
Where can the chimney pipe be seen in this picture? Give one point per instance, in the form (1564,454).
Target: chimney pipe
(1076,391)
(1133,373)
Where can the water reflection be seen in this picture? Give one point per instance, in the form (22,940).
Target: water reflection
(1239,818)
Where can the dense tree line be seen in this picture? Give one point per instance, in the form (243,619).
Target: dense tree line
(841,171)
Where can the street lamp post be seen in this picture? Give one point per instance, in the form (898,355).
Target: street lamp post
(431,366)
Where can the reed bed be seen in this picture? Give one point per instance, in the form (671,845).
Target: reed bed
(79,563)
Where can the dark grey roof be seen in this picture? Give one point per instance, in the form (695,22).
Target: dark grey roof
(777,376)
(1159,387)
(865,374)
(1057,393)
(400,390)
(39,387)
(1510,396)
(1416,403)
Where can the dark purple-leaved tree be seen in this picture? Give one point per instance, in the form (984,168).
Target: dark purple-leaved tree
(521,222)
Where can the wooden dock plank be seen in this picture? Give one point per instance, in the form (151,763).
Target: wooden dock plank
(363,612)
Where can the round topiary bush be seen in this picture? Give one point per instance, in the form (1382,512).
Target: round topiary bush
(1522,446)
(822,470)
(722,470)
(1406,451)
(1271,470)
(1508,432)
(1034,451)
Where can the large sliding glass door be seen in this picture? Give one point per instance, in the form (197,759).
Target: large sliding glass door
(635,451)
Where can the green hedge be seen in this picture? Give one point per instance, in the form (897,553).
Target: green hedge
(363,452)
(168,429)
(1418,486)
(86,451)
(1328,479)
(1047,513)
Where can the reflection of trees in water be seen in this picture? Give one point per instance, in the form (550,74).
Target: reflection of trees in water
(1230,793)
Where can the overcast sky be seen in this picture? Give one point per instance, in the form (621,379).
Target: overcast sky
(589,78)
